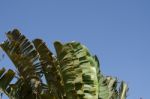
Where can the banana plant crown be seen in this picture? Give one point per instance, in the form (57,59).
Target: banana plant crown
(71,74)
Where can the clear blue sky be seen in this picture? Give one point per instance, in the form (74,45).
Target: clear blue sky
(117,31)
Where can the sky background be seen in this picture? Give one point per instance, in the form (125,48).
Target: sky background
(117,31)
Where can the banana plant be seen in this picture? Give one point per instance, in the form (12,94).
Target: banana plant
(73,73)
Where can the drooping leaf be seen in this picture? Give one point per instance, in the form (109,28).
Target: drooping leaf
(5,79)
